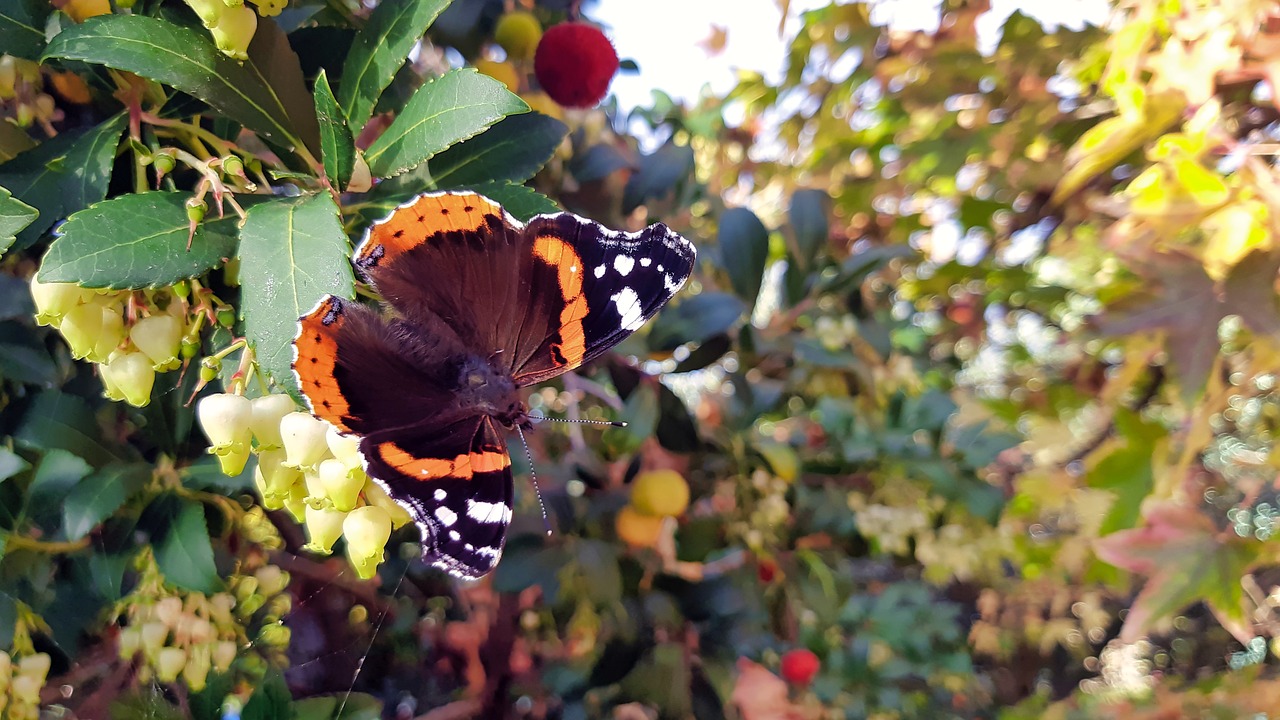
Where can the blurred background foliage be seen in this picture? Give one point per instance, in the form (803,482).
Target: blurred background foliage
(969,410)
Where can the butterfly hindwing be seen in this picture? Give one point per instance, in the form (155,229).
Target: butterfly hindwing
(456,483)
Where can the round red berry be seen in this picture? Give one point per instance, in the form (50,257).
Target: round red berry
(800,666)
(574,64)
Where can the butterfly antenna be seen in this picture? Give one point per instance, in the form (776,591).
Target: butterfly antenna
(534,476)
(610,423)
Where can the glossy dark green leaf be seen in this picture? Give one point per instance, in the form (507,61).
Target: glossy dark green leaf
(744,250)
(694,320)
(277,66)
(521,201)
(293,252)
(22,27)
(183,58)
(13,140)
(21,363)
(513,150)
(337,147)
(98,496)
(57,473)
(597,163)
(378,51)
(184,552)
(659,174)
(271,700)
(808,216)
(458,105)
(62,175)
(65,422)
(14,216)
(640,413)
(137,241)
(11,464)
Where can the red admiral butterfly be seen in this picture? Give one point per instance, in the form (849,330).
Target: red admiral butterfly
(482,306)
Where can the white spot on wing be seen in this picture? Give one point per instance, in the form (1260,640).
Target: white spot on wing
(490,552)
(623,264)
(646,262)
(454,535)
(488,513)
(599,271)
(629,310)
(446,516)
(441,494)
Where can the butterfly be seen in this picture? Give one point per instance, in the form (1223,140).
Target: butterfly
(481,306)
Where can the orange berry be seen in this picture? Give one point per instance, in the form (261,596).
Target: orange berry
(638,529)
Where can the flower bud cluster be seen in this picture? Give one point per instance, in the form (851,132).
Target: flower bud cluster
(836,333)
(233,23)
(181,634)
(305,466)
(23,95)
(130,335)
(20,683)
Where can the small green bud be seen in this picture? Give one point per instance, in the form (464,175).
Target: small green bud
(164,163)
(226,317)
(232,165)
(195,209)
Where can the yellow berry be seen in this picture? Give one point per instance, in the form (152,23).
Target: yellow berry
(503,72)
(518,33)
(81,10)
(660,493)
(638,529)
(542,103)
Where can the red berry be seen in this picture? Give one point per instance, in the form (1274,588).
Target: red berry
(574,64)
(800,666)
(767,570)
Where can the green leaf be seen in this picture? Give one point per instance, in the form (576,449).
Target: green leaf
(274,61)
(11,464)
(14,216)
(57,472)
(521,201)
(185,59)
(13,140)
(271,700)
(378,51)
(137,241)
(744,249)
(514,149)
(22,27)
(26,364)
(658,175)
(292,253)
(808,216)
(62,175)
(337,147)
(98,496)
(448,110)
(184,552)
(694,320)
(66,422)
(640,413)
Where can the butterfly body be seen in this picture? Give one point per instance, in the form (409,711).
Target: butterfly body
(480,307)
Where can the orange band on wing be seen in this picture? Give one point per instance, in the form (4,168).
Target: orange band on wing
(561,255)
(412,225)
(317,349)
(464,466)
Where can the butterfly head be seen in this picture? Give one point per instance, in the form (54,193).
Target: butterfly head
(490,391)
